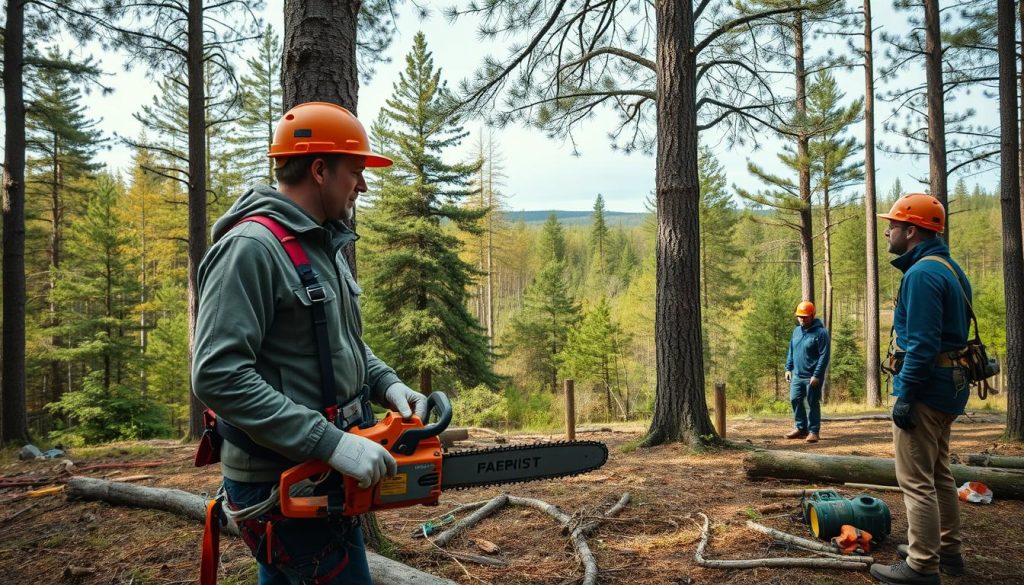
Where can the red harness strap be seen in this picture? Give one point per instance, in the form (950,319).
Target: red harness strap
(210,556)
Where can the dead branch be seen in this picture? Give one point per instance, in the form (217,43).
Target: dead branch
(776,562)
(477,559)
(786,493)
(871,486)
(577,537)
(492,506)
(829,550)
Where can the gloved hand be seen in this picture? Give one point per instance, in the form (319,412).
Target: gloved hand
(789,376)
(901,413)
(363,459)
(815,381)
(404,399)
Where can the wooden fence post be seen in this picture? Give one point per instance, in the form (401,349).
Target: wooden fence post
(570,410)
(720,408)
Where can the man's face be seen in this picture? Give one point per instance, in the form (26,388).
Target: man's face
(897,236)
(805,321)
(341,187)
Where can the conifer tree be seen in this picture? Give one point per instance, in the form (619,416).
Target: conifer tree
(552,241)
(592,353)
(420,284)
(61,142)
(260,108)
(764,340)
(599,239)
(98,290)
(540,330)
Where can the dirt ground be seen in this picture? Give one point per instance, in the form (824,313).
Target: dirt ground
(652,541)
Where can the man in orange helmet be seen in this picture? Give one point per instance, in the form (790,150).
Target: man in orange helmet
(278,352)
(930,327)
(806,362)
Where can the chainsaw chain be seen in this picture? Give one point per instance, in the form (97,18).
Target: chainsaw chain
(511,448)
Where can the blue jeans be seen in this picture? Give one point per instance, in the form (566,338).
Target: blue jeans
(806,401)
(306,537)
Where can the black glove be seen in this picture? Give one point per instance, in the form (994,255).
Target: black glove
(901,412)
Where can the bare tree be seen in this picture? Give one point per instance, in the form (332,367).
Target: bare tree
(1010,195)
(645,61)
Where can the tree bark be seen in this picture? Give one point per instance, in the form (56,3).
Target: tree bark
(1010,202)
(56,241)
(826,238)
(319,61)
(986,460)
(872,379)
(802,143)
(14,421)
(936,109)
(196,188)
(383,571)
(680,406)
(1005,483)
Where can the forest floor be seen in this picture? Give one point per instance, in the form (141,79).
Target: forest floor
(652,541)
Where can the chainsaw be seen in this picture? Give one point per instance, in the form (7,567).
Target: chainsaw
(425,469)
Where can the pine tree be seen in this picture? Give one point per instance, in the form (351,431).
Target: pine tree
(540,330)
(599,240)
(592,354)
(420,285)
(552,241)
(98,291)
(846,367)
(764,339)
(719,284)
(261,107)
(61,143)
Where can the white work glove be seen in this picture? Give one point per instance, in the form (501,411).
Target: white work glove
(362,459)
(789,376)
(404,399)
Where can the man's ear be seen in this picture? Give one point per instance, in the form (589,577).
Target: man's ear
(318,170)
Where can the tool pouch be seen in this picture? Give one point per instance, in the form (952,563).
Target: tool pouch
(893,362)
(208,451)
(309,550)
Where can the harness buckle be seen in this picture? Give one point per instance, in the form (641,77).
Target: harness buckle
(316,293)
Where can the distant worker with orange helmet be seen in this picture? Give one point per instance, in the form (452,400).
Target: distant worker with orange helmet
(279,355)
(806,362)
(930,327)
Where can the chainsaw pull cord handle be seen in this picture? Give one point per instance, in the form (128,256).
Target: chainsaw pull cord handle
(410,439)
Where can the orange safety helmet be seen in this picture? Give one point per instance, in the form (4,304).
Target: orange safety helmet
(805,309)
(321,127)
(919,209)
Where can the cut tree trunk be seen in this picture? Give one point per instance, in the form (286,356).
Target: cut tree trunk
(986,460)
(873,386)
(383,571)
(1004,483)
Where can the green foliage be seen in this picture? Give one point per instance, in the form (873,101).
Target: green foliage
(764,339)
(536,410)
(419,286)
(100,412)
(846,366)
(593,354)
(481,406)
(259,110)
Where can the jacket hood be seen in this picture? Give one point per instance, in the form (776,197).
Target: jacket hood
(265,200)
(933,247)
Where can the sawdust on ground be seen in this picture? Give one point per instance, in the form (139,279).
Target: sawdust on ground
(652,541)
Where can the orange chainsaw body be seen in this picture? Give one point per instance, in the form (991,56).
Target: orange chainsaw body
(418,480)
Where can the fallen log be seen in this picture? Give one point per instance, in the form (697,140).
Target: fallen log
(1004,483)
(449,436)
(384,571)
(986,460)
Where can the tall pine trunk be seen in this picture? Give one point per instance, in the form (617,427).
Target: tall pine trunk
(1013,250)
(196,188)
(14,421)
(827,267)
(319,61)
(936,109)
(804,172)
(872,378)
(56,226)
(680,406)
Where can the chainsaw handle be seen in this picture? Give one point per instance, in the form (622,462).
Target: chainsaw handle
(410,438)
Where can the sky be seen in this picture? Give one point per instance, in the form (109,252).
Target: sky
(543,173)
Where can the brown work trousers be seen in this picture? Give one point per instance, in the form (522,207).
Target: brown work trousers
(929,490)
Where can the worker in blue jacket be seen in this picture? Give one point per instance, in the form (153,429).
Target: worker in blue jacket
(930,325)
(806,362)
